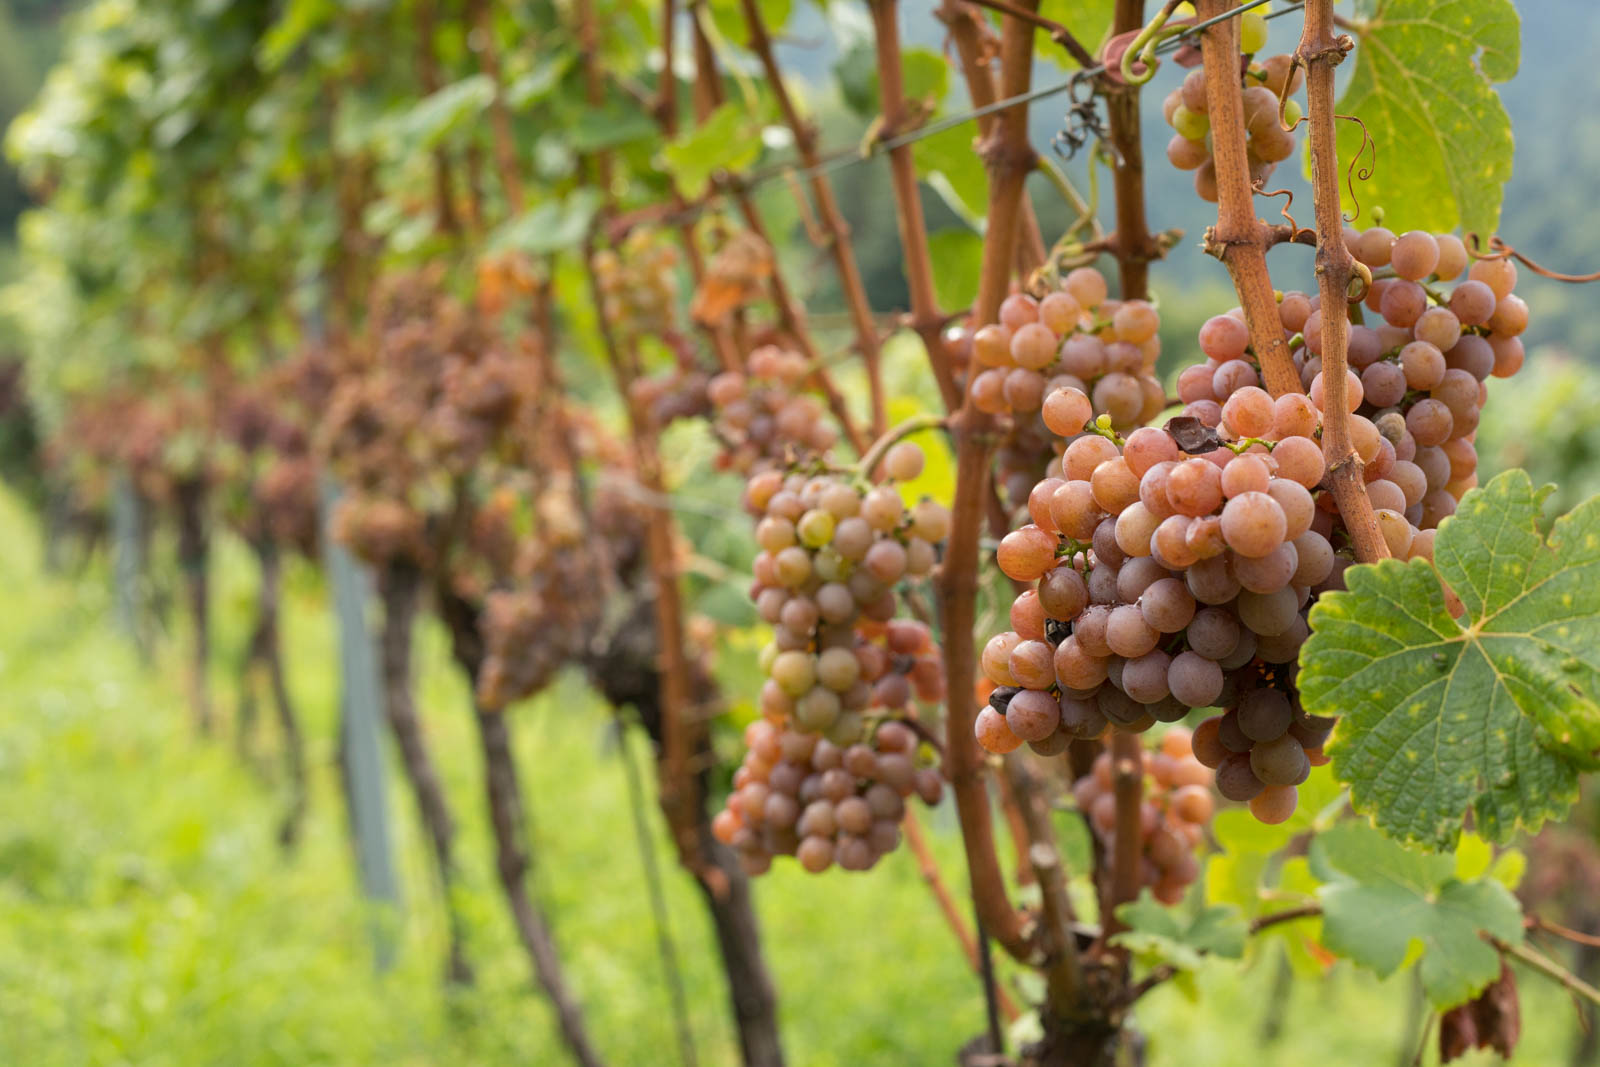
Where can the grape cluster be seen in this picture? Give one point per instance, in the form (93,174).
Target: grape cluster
(1265,744)
(831,553)
(1073,336)
(829,765)
(1160,577)
(1173,815)
(797,794)
(638,283)
(1263,85)
(762,417)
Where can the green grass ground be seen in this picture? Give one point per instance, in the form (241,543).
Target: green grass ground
(147,916)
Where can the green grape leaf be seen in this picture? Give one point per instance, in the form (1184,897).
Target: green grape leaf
(959,254)
(550,226)
(729,139)
(856,71)
(1424,87)
(450,108)
(1159,934)
(1495,713)
(1089,21)
(926,75)
(949,155)
(1381,901)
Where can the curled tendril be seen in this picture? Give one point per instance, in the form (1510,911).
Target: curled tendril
(1355,172)
(1083,121)
(1498,249)
(1288,202)
(1284,97)
(1360,274)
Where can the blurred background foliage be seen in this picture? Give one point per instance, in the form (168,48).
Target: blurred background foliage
(146,917)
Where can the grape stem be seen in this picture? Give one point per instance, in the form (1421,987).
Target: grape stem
(915,424)
(1547,967)
(1063,969)
(976,45)
(707,97)
(1320,51)
(1007,157)
(1239,238)
(1165,971)
(926,319)
(1127,783)
(838,231)
(1132,243)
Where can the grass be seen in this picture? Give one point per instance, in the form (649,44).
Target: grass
(147,916)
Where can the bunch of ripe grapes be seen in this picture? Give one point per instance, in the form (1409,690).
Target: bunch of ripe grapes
(639,284)
(1175,809)
(1072,336)
(797,794)
(833,548)
(762,416)
(1264,87)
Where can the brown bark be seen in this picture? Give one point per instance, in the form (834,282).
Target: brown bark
(1133,245)
(482,41)
(1321,49)
(1240,239)
(194,550)
(267,650)
(400,587)
(507,818)
(926,319)
(844,258)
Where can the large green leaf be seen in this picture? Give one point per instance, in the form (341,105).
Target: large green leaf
(1493,713)
(1159,934)
(451,108)
(1379,899)
(729,139)
(959,254)
(550,226)
(1087,19)
(1423,85)
(950,155)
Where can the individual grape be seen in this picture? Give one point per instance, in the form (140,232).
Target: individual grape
(1473,355)
(1210,580)
(1060,312)
(1148,446)
(1135,576)
(1224,338)
(1510,316)
(1084,455)
(1354,393)
(1153,489)
(1033,346)
(1194,679)
(996,658)
(1452,257)
(1167,606)
(1087,286)
(1508,355)
(1299,459)
(1280,761)
(1236,780)
(1192,125)
(1429,422)
(1078,668)
(903,461)
(1169,545)
(1207,743)
(1396,531)
(1274,804)
(1024,554)
(1298,507)
(1032,665)
(882,508)
(1114,484)
(1383,384)
(1082,718)
(1018,310)
(1032,714)
(1245,474)
(1423,364)
(1269,613)
(1134,528)
(1062,593)
(1127,632)
(815,854)
(1249,412)
(1374,247)
(1500,275)
(1144,678)
(1253,34)
(930,520)
(1264,714)
(994,734)
(1135,321)
(1066,411)
(1269,573)
(1253,524)
(1473,302)
(1315,559)
(1120,396)
(1185,154)
(1414,255)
